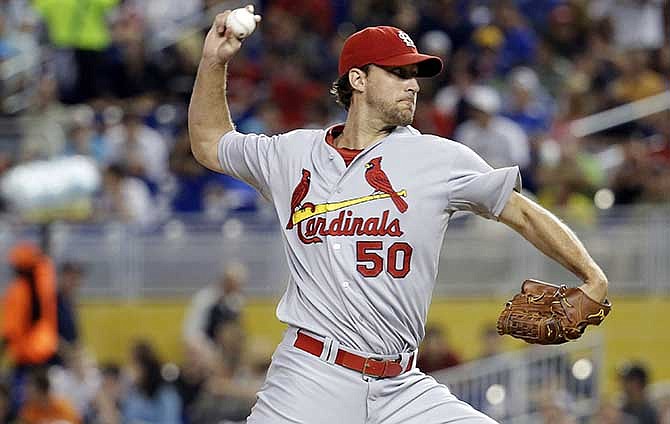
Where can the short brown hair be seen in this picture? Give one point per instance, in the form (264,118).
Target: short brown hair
(341,88)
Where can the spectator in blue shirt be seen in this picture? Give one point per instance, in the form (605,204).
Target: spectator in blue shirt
(520,39)
(150,398)
(527,103)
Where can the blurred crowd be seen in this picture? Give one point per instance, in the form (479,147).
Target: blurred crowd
(112,82)
(555,385)
(51,375)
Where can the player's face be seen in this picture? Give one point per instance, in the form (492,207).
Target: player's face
(392,92)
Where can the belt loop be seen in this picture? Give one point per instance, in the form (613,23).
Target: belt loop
(327,343)
(407,360)
(292,334)
(334,348)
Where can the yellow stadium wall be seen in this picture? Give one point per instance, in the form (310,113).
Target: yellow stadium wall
(635,330)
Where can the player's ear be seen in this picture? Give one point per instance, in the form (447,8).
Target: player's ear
(357,79)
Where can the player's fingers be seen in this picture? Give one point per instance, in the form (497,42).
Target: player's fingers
(231,39)
(220,22)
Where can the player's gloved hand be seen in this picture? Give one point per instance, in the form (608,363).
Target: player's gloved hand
(220,43)
(545,313)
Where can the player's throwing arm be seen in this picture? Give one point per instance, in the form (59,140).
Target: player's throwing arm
(208,114)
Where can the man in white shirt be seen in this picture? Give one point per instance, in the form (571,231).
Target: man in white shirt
(498,140)
(221,301)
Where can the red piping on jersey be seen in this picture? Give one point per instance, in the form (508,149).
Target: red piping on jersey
(347,154)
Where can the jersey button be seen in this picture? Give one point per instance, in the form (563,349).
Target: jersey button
(337,246)
(345,284)
(339,189)
(331,156)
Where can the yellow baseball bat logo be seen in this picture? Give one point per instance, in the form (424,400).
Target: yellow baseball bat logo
(307,212)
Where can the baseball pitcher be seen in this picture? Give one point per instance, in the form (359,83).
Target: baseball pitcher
(364,206)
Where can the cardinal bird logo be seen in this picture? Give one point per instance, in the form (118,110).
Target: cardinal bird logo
(376,177)
(299,194)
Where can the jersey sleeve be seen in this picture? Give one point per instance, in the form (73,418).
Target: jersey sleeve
(248,157)
(474,186)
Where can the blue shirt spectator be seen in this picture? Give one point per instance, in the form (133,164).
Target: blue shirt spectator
(163,408)
(527,103)
(518,48)
(150,398)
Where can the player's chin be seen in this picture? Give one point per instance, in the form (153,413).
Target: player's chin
(405,117)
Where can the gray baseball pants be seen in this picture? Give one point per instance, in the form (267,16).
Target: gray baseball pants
(301,388)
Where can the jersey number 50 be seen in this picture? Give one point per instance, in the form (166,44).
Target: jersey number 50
(371,264)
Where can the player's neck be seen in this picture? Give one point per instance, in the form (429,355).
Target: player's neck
(361,131)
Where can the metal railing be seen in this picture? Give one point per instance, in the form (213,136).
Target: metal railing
(523,387)
(479,257)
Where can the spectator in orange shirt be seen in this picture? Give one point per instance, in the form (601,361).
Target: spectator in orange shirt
(29,323)
(41,406)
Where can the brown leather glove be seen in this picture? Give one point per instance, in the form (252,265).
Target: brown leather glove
(545,313)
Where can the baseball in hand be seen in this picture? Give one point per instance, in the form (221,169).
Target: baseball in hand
(242,22)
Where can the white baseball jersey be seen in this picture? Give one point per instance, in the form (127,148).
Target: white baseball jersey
(363,241)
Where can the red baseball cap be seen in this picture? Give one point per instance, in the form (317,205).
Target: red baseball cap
(385,46)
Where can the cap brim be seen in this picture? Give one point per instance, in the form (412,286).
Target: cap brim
(429,66)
